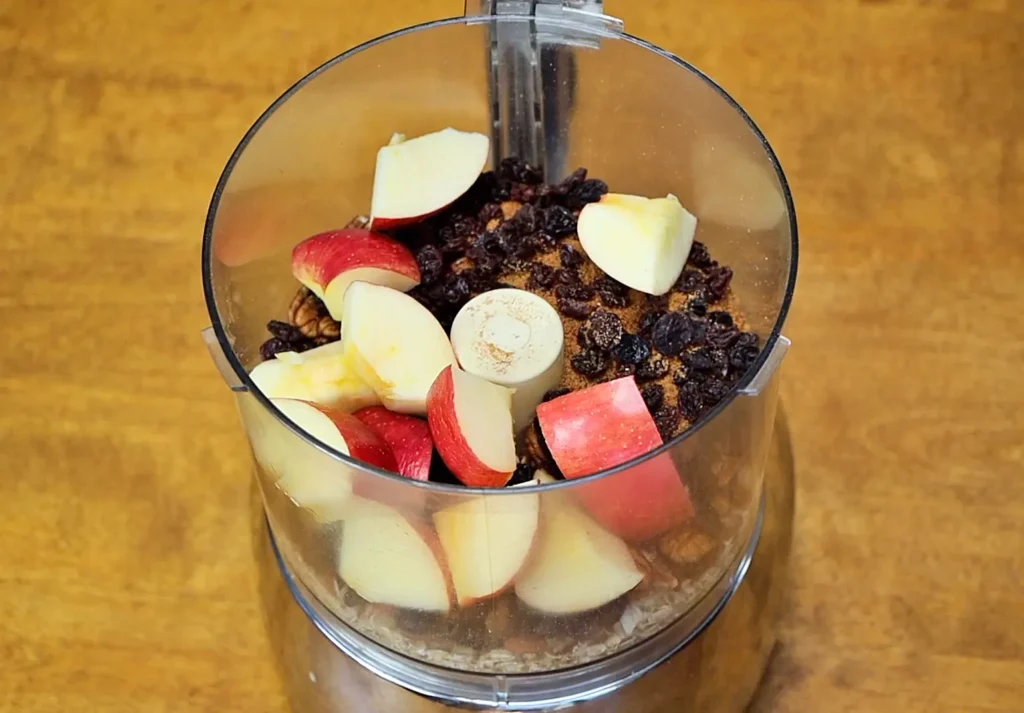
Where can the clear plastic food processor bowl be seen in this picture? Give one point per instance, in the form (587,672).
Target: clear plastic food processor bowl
(562,89)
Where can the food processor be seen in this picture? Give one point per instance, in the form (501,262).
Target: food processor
(560,85)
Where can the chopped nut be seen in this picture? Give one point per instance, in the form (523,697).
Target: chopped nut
(685,545)
(360,221)
(310,315)
(493,223)
(463,263)
(510,208)
(327,327)
(536,450)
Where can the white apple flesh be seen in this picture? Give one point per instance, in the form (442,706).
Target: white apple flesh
(471,421)
(388,558)
(577,565)
(312,479)
(513,338)
(486,541)
(319,375)
(329,262)
(418,177)
(603,426)
(641,242)
(394,344)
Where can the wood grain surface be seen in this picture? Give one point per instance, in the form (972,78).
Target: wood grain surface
(126,579)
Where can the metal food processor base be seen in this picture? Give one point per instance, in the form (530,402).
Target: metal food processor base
(717,671)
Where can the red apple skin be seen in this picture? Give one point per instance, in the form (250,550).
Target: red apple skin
(321,258)
(603,426)
(363,444)
(408,436)
(450,442)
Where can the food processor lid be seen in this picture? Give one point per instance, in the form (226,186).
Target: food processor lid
(531,90)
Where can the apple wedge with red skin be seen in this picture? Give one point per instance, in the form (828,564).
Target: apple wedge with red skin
(471,421)
(408,437)
(329,262)
(603,426)
(312,479)
(387,557)
(418,177)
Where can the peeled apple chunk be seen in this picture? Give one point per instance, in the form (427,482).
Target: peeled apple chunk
(641,242)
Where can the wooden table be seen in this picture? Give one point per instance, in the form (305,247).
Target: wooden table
(126,581)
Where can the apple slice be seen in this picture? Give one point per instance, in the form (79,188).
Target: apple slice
(603,426)
(329,262)
(471,421)
(313,479)
(319,375)
(388,558)
(408,437)
(486,541)
(641,242)
(395,344)
(416,178)
(577,565)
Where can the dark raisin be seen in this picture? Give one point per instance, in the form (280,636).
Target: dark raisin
(515,169)
(718,283)
(454,246)
(588,191)
(697,307)
(667,420)
(611,285)
(691,401)
(575,291)
(654,367)
(742,354)
(284,331)
(542,242)
(622,370)
(721,337)
(558,221)
(523,474)
(541,276)
(632,349)
(477,280)
(489,212)
(589,362)
(747,339)
(522,192)
(602,331)
(574,308)
(690,281)
(555,393)
(456,290)
(713,390)
(570,256)
(484,262)
(431,264)
(720,317)
(648,320)
(671,333)
(523,222)
(272,347)
(707,359)
(654,396)
(699,256)
(613,299)
(568,276)
(493,242)
(502,190)
(571,182)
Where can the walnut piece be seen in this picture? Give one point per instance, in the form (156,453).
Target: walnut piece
(310,315)
(686,545)
(510,208)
